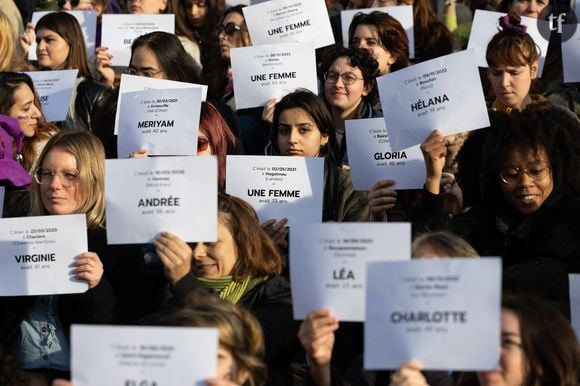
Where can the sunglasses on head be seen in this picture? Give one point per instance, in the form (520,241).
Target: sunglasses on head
(202,144)
(229,29)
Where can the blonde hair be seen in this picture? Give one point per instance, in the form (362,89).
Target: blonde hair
(446,243)
(11,58)
(90,158)
(239,332)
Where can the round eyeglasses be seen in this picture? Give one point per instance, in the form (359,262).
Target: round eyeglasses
(348,78)
(67,177)
(513,174)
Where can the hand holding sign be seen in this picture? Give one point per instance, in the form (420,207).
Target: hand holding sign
(175,254)
(434,152)
(316,335)
(88,267)
(382,197)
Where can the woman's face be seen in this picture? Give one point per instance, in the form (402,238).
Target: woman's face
(197,11)
(529,8)
(25,110)
(345,97)
(234,40)
(366,36)
(511,84)
(526,179)
(214,260)
(52,50)
(144,63)
(61,193)
(298,135)
(150,7)
(512,362)
(203,143)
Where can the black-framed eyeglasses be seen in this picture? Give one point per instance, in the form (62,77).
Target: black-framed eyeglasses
(348,78)
(148,73)
(229,29)
(67,177)
(513,174)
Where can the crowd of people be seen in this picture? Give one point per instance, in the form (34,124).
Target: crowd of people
(510,190)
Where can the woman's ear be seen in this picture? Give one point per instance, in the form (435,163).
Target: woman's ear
(534,69)
(324,139)
(367,89)
(243,376)
(162,6)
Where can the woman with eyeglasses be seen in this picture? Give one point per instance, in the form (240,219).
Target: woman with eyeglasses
(145,7)
(383,36)
(231,32)
(60,46)
(35,329)
(349,89)
(154,55)
(524,198)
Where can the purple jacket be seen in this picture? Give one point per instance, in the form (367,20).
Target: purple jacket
(10,170)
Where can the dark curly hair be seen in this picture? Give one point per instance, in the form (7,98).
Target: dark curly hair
(359,58)
(539,126)
(391,33)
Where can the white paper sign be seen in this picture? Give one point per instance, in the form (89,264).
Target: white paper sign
(486,24)
(278,186)
(88,23)
(1,200)
(571,54)
(37,253)
(132,83)
(54,89)
(328,264)
(575,302)
(272,71)
(149,195)
(403,14)
(443,93)
(371,158)
(165,122)
(416,308)
(131,355)
(285,21)
(119,31)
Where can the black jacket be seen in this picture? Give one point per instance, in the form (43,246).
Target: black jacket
(271,303)
(91,98)
(538,250)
